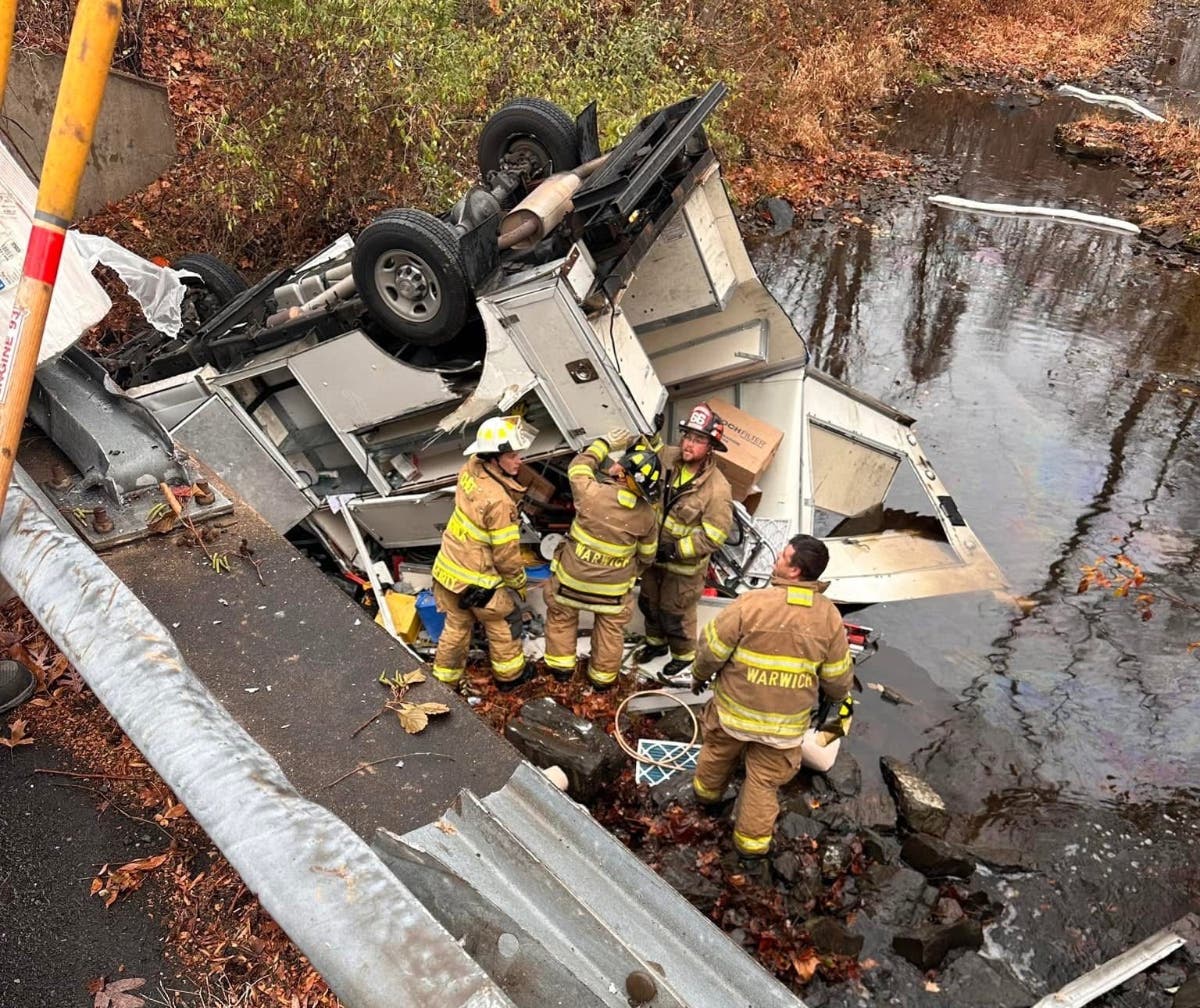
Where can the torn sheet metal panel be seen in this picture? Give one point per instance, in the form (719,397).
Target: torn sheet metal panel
(938,557)
(588,901)
(359,926)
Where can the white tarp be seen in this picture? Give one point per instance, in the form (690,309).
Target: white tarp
(79,301)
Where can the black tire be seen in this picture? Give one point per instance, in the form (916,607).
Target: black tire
(221,279)
(410,275)
(530,133)
(219,284)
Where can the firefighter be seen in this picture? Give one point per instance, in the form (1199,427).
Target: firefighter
(478,573)
(769,653)
(697,512)
(610,542)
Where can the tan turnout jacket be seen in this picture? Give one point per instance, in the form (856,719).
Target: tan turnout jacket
(612,539)
(698,516)
(481,543)
(773,651)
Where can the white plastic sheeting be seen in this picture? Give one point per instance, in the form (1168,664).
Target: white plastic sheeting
(157,289)
(1111,100)
(79,301)
(364,931)
(1052,213)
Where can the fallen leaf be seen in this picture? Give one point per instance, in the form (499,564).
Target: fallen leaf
(116,994)
(16,735)
(434,708)
(412,678)
(805,966)
(448,828)
(932,987)
(412,718)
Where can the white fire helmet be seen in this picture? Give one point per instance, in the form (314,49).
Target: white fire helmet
(502,434)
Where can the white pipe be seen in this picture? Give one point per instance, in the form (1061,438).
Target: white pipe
(1053,213)
(1112,100)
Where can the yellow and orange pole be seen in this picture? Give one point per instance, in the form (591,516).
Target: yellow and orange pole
(93,37)
(8,23)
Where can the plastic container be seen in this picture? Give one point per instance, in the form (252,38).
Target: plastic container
(540,572)
(433,621)
(404,614)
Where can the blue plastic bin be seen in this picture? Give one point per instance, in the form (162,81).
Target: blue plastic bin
(539,573)
(433,621)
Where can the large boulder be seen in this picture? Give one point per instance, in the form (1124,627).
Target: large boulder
(845,776)
(831,936)
(550,735)
(898,896)
(1188,995)
(920,806)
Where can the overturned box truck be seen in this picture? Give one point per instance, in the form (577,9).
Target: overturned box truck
(583,290)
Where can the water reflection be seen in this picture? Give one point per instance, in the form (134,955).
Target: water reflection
(1054,371)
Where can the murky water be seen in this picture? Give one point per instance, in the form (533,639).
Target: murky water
(1055,374)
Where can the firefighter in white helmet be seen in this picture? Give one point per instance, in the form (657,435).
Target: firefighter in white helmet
(696,515)
(611,541)
(478,573)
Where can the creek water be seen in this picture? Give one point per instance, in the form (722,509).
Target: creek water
(1054,371)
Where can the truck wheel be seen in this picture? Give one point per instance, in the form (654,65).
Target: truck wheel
(530,135)
(408,269)
(219,284)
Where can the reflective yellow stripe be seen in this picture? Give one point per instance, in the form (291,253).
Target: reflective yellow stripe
(461,527)
(601,678)
(742,718)
(647,549)
(775,662)
(687,548)
(513,665)
(703,793)
(506,535)
(601,545)
(448,675)
(751,844)
(686,656)
(580,470)
(598,450)
(831,670)
(721,651)
(596,607)
(626,499)
(447,573)
(799,596)
(561,661)
(686,569)
(591,587)
(715,534)
(677,528)
(659,641)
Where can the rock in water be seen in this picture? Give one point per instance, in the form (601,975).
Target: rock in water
(782,215)
(925,947)
(920,806)
(937,858)
(548,734)
(974,982)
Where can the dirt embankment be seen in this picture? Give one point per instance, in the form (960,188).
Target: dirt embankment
(290,132)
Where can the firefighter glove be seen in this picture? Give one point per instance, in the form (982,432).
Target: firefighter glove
(699,686)
(667,551)
(617,439)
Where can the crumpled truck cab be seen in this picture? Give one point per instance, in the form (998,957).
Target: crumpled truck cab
(584,291)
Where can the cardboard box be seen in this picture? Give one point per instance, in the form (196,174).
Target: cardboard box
(752,445)
(540,489)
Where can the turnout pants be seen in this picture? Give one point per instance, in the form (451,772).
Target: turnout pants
(608,635)
(501,621)
(767,769)
(668,602)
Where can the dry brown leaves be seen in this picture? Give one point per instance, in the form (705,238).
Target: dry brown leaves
(117,994)
(217,930)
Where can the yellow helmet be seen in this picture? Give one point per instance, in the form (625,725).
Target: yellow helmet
(502,434)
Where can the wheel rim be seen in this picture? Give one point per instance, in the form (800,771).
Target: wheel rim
(409,285)
(525,153)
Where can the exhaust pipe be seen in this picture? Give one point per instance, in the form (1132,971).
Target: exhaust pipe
(543,210)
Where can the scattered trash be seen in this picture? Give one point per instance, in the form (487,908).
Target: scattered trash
(679,753)
(252,689)
(890,695)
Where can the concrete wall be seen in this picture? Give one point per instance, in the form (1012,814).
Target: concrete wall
(134,141)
